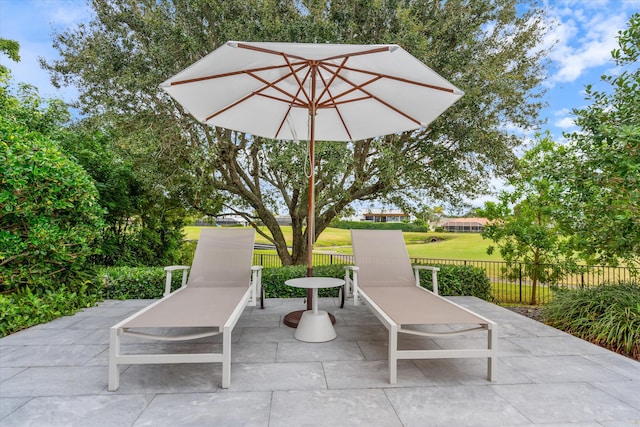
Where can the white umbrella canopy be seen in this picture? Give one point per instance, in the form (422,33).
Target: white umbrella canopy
(269,90)
(309,91)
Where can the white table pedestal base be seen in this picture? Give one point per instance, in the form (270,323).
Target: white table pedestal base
(315,327)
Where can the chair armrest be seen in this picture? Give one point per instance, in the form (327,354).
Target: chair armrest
(434,275)
(170,269)
(351,284)
(256,285)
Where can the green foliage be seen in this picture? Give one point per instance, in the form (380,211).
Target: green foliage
(118,59)
(49,215)
(459,280)
(273,280)
(141,282)
(523,226)
(596,176)
(24,308)
(358,225)
(607,315)
(12,49)
(142,223)
(135,282)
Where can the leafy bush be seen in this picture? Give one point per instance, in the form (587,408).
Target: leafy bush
(49,215)
(273,280)
(453,280)
(607,315)
(459,280)
(148,282)
(24,308)
(135,282)
(143,224)
(357,225)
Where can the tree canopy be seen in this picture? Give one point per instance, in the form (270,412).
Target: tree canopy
(487,48)
(581,197)
(596,175)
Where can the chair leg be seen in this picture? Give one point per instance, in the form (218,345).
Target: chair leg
(114,352)
(393,354)
(492,363)
(226,357)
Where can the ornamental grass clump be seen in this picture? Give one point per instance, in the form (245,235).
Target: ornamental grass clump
(607,315)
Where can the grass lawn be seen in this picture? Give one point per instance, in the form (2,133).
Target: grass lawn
(468,246)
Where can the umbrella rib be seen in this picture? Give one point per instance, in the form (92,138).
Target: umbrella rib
(292,99)
(334,75)
(400,79)
(370,95)
(332,99)
(295,76)
(288,55)
(275,86)
(229,74)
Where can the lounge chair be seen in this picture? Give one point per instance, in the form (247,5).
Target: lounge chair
(220,285)
(384,279)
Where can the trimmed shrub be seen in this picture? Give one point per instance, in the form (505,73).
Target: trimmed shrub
(273,280)
(135,282)
(148,282)
(606,315)
(459,280)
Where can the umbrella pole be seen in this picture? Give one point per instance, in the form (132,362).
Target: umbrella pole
(312,166)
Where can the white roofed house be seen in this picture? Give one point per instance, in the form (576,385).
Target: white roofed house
(463,225)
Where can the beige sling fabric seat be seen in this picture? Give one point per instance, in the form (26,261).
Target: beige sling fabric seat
(220,285)
(384,279)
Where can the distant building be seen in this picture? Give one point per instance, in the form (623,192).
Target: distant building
(379,215)
(463,225)
(230,220)
(385,217)
(283,220)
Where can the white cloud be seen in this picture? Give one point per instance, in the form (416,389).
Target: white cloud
(65,13)
(582,39)
(565,119)
(565,123)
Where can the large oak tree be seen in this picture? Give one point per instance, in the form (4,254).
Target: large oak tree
(488,48)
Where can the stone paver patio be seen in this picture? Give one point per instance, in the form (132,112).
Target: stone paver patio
(56,375)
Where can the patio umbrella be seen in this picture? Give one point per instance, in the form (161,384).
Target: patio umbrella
(301,91)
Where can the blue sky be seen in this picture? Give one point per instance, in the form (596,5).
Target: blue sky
(583,33)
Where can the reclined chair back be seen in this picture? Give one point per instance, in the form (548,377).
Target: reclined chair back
(382,258)
(223,258)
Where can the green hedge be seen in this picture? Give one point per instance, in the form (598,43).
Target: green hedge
(148,282)
(459,280)
(607,315)
(135,282)
(357,225)
(273,280)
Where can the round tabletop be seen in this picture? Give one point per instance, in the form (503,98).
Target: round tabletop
(314,282)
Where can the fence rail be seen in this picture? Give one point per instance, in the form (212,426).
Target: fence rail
(508,285)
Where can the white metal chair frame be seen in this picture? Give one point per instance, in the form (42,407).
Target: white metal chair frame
(490,352)
(116,358)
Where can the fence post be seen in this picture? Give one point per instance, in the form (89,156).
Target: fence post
(520,279)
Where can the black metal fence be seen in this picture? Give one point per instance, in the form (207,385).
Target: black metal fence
(509,284)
